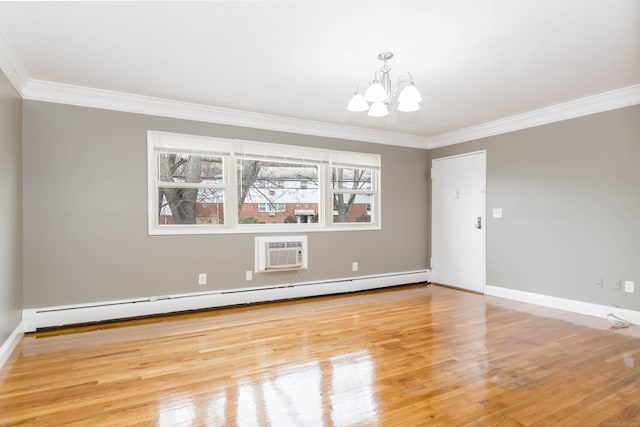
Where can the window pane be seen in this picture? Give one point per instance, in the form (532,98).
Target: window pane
(190,206)
(190,168)
(272,207)
(350,179)
(350,207)
(270,192)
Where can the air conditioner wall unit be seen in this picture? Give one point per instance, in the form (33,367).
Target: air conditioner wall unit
(280,253)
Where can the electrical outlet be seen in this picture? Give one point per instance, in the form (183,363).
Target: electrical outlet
(248,275)
(354,266)
(599,283)
(629,286)
(617,285)
(202,279)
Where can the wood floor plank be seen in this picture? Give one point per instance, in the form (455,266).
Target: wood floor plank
(412,356)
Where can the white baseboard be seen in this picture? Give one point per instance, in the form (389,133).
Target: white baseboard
(10,344)
(590,309)
(34,318)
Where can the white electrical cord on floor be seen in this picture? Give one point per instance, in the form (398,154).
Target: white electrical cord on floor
(616,322)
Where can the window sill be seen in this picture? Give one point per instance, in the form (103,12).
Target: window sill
(262,229)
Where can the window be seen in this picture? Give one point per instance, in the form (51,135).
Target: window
(271,207)
(200,185)
(273,187)
(351,193)
(190,189)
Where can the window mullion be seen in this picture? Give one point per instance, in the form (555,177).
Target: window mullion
(324,201)
(231,194)
(346,191)
(189,185)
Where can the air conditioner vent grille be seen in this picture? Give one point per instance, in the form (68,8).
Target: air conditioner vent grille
(284,258)
(277,253)
(281,245)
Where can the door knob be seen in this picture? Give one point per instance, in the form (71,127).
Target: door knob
(479,223)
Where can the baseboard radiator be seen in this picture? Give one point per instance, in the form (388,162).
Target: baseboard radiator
(45,317)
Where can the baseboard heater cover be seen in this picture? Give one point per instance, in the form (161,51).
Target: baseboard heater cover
(45,317)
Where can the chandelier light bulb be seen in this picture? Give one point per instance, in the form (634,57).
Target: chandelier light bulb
(410,94)
(375,93)
(358,103)
(378,109)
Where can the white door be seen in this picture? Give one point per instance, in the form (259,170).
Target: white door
(458,189)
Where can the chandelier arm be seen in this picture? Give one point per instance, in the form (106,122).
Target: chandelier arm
(375,76)
(400,78)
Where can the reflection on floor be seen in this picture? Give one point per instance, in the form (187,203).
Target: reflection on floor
(413,355)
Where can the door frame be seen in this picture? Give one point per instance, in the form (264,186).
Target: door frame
(484,228)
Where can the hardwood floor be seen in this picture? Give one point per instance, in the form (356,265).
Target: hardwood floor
(414,355)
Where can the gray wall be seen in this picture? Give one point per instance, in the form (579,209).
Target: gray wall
(570,194)
(85,213)
(10,208)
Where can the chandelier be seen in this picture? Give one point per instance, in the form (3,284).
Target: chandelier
(378,95)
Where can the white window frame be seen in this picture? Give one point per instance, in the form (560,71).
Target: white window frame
(196,185)
(231,151)
(374,184)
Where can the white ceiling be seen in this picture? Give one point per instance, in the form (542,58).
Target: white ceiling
(475,61)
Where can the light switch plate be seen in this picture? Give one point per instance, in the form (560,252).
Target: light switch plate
(497,212)
(202,279)
(629,286)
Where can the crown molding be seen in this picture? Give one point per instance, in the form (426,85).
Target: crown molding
(12,66)
(40,90)
(601,102)
(120,101)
